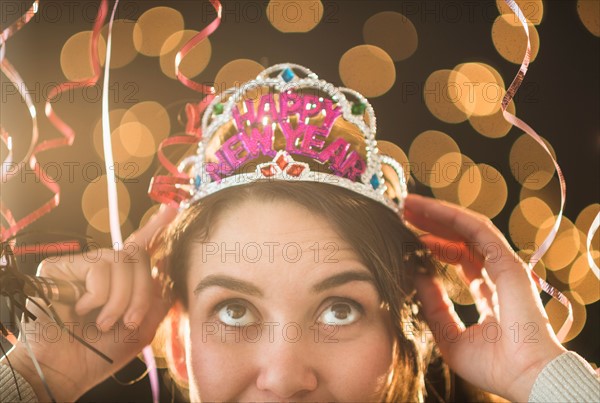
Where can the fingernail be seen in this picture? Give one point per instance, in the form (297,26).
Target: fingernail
(134,317)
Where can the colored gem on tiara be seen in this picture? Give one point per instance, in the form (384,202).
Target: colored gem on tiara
(287,75)
(374,181)
(218,109)
(268,170)
(281,161)
(295,169)
(197,181)
(358,108)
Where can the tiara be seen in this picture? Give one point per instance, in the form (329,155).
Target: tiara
(287,124)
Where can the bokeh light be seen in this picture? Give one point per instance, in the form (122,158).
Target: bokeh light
(194,62)
(483,88)
(392,150)
(450,193)
(154,27)
(122,50)
(441,94)
(115,116)
(494,125)
(589,14)
(94,203)
(294,16)
(533,10)
(565,247)
(530,164)
(392,32)
(152,115)
(149,213)
(557,313)
(510,40)
(75,59)
(236,72)
(525,219)
(583,223)
(584,282)
(493,193)
(103,238)
(426,150)
(357,66)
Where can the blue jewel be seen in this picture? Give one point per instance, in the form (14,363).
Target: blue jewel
(374,181)
(287,75)
(197,181)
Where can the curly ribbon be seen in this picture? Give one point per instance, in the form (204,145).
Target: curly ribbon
(510,93)
(590,235)
(167,189)
(11,73)
(68,135)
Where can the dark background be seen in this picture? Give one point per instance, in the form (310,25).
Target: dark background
(560,100)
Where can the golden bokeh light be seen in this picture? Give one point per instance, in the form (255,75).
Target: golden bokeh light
(579,269)
(94,203)
(392,32)
(469,185)
(133,145)
(294,16)
(357,66)
(589,14)
(75,59)
(583,223)
(153,116)
(493,193)
(446,170)
(550,194)
(450,193)
(557,313)
(236,73)
(533,10)
(583,281)
(494,125)
(530,164)
(154,27)
(194,62)
(122,50)
(426,149)
(115,116)
(483,88)
(565,247)
(442,94)
(510,40)
(103,238)
(525,219)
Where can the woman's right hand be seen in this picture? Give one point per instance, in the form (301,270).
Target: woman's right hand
(118,315)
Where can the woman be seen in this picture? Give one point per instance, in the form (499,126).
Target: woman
(292,290)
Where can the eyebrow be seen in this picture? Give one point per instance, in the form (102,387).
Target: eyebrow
(245,287)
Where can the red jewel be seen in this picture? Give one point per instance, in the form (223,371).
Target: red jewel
(295,169)
(268,171)
(282,162)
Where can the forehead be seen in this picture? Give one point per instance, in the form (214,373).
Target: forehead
(258,239)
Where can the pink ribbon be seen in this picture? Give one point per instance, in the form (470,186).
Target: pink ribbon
(510,93)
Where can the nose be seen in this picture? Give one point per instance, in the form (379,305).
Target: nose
(286,369)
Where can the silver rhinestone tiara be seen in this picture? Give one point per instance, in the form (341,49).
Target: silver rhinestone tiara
(288,78)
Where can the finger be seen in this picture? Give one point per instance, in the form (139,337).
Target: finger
(121,280)
(517,294)
(142,292)
(438,310)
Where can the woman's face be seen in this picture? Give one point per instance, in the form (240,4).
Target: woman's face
(281,308)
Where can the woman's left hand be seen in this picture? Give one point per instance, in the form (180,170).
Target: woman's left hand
(512,342)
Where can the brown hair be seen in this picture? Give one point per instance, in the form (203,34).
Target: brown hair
(391,251)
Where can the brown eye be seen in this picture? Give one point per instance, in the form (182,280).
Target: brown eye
(341,311)
(236,311)
(340,314)
(235,314)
